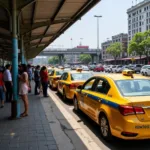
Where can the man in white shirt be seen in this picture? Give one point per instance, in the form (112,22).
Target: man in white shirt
(8,83)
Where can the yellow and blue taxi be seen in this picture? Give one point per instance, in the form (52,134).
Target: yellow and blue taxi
(54,77)
(119,103)
(70,80)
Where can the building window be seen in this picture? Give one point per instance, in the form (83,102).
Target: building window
(147,21)
(147,14)
(129,21)
(140,11)
(140,30)
(129,27)
(145,9)
(140,17)
(146,27)
(136,24)
(129,15)
(140,23)
(136,30)
(136,18)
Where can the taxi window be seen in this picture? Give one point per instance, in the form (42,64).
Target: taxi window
(80,76)
(139,87)
(89,84)
(52,73)
(102,86)
(59,73)
(50,70)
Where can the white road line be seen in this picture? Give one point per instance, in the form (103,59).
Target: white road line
(84,136)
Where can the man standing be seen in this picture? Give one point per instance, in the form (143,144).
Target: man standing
(29,71)
(37,80)
(8,83)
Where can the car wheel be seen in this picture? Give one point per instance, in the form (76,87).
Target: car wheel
(64,96)
(75,103)
(146,74)
(105,128)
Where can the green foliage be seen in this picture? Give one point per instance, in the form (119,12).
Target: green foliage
(85,58)
(53,60)
(115,49)
(135,45)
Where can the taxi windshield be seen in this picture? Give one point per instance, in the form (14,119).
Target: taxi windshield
(140,87)
(80,76)
(50,70)
(59,73)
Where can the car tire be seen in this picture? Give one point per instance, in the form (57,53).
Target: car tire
(146,74)
(76,105)
(105,128)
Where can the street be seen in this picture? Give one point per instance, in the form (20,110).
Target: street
(92,129)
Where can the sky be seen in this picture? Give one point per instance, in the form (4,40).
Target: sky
(113,21)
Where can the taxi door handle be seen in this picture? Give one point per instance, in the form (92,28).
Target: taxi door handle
(100,99)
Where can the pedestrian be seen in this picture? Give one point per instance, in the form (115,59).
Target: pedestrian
(23,88)
(29,71)
(2,87)
(44,80)
(37,80)
(8,83)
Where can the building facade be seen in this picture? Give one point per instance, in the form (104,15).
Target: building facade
(138,18)
(104,46)
(121,38)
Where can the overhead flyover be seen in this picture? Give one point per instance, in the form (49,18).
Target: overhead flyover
(39,22)
(31,25)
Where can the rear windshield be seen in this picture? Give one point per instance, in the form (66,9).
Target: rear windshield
(119,66)
(138,65)
(134,87)
(80,76)
(50,70)
(59,73)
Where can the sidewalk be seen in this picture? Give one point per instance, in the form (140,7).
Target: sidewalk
(29,133)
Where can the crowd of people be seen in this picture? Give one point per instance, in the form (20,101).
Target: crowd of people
(26,73)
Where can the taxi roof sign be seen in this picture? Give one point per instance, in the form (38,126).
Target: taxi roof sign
(128,72)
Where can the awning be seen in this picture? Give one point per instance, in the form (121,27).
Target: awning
(40,22)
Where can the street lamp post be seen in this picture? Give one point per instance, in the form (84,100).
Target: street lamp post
(98,49)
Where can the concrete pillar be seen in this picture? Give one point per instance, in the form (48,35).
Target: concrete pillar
(92,59)
(15,113)
(60,60)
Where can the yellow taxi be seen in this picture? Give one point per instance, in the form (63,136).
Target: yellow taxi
(119,103)
(54,77)
(70,80)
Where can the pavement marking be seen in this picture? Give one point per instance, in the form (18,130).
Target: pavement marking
(84,136)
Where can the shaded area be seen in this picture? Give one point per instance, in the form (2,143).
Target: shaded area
(39,22)
(32,132)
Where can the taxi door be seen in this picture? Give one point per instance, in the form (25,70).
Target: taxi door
(100,90)
(83,96)
(61,81)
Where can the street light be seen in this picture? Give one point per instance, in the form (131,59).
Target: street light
(98,35)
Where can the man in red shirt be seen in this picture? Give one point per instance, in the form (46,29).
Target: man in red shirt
(44,80)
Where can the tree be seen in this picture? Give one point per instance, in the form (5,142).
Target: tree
(115,50)
(53,60)
(146,44)
(136,45)
(85,58)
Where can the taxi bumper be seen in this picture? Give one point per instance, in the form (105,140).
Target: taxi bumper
(132,130)
(54,84)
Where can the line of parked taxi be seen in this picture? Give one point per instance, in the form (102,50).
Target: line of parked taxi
(118,103)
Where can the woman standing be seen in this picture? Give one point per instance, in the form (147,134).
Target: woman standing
(2,87)
(23,88)
(44,80)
